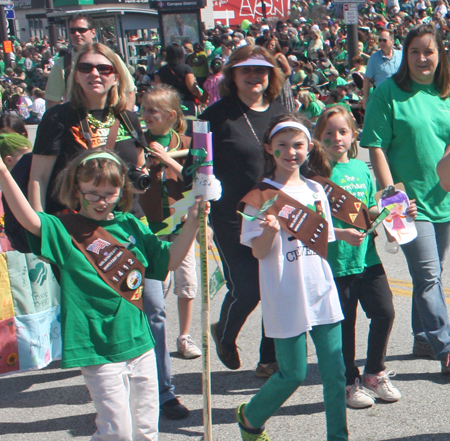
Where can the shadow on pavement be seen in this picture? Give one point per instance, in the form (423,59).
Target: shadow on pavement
(13,385)
(80,425)
(66,395)
(425,437)
(228,416)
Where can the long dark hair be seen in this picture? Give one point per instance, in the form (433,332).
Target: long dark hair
(442,75)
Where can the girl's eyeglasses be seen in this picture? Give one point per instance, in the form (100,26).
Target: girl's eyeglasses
(92,197)
(102,69)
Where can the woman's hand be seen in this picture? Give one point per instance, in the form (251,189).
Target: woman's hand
(412,209)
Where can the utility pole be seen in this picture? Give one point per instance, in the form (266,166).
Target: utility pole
(4,30)
(51,26)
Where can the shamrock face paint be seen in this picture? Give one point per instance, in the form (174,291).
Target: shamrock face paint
(84,203)
(277,153)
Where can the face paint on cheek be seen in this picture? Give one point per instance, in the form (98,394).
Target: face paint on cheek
(85,204)
(327,142)
(277,153)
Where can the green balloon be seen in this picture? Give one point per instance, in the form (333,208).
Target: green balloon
(245,24)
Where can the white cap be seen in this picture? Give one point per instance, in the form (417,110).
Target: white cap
(255,60)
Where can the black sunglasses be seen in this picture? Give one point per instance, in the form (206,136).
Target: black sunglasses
(383,40)
(102,69)
(79,30)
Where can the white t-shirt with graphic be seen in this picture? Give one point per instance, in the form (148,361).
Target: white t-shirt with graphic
(296,285)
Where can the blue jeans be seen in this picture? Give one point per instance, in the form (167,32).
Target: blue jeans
(425,256)
(154,308)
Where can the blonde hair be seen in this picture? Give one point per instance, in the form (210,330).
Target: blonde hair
(305,98)
(322,122)
(227,87)
(117,96)
(166,99)
(99,170)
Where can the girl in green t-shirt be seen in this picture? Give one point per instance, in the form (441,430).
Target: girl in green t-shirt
(357,269)
(104,333)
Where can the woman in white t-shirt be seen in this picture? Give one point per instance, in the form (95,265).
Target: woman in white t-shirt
(298,294)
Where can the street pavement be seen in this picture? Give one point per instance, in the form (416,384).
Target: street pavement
(54,404)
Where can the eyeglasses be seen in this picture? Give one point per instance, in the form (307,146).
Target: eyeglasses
(79,30)
(92,197)
(102,69)
(383,40)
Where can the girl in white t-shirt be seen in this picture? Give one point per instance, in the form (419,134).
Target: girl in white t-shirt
(298,293)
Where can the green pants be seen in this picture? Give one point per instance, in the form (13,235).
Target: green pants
(292,359)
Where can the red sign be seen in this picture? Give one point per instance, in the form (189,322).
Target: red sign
(233,12)
(7,47)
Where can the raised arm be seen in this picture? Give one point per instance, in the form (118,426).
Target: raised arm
(18,203)
(41,170)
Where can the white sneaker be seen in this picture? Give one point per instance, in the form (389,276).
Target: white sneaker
(357,397)
(381,384)
(187,348)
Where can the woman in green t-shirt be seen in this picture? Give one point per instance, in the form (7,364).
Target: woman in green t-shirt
(407,128)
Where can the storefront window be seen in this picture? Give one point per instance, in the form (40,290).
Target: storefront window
(136,41)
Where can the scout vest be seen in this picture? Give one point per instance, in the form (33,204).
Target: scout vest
(152,201)
(304,224)
(115,264)
(344,206)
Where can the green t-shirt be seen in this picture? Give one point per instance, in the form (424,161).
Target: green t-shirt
(339,81)
(314,109)
(98,325)
(345,259)
(414,128)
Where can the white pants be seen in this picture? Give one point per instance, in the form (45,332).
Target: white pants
(126,397)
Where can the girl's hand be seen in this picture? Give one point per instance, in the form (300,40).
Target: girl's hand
(353,237)
(195,209)
(412,209)
(158,152)
(270,225)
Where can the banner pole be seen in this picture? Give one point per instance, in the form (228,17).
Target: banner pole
(206,368)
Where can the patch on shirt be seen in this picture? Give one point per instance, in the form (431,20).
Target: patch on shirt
(98,245)
(286,211)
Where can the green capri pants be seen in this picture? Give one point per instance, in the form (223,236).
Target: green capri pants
(291,356)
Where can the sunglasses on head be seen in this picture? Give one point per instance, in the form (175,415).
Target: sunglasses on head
(79,30)
(102,69)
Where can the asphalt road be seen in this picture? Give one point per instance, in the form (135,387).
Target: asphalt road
(54,405)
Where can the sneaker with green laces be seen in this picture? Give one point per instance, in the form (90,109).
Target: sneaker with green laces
(248,434)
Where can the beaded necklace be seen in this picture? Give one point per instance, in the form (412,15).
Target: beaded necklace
(110,119)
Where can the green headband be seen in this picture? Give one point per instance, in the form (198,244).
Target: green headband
(100,155)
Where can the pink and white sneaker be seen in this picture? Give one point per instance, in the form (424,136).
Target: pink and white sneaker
(381,385)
